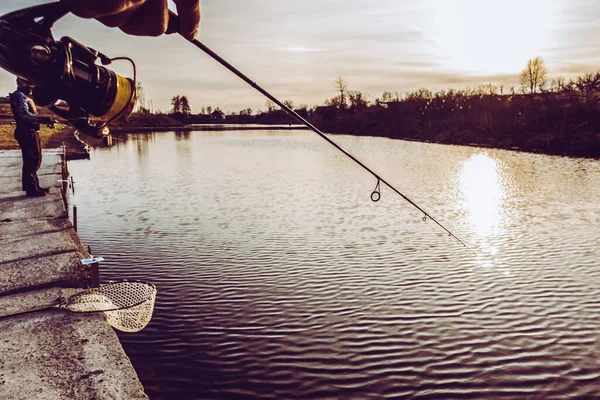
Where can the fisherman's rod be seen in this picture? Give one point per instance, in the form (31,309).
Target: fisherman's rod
(174,28)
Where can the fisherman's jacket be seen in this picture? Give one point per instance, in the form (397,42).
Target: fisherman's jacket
(24,112)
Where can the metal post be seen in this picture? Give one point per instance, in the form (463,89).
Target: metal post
(95,274)
(75,218)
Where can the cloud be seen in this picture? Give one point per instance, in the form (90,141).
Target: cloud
(297,49)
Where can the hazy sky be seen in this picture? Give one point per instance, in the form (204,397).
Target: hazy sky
(296,49)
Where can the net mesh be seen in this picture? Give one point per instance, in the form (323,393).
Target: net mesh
(128,306)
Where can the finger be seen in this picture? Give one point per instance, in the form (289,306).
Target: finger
(95,8)
(151,19)
(119,19)
(189,17)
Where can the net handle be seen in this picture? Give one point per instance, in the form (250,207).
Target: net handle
(66,307)
(66,302)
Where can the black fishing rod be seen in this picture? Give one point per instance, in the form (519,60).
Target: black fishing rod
(173,27)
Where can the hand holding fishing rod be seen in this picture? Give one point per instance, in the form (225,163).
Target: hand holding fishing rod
(174,27)
(139,17)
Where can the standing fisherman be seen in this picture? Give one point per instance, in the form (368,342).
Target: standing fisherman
(28,135)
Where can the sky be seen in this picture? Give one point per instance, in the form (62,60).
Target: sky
(296,49)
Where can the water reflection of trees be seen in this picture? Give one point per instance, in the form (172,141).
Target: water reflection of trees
(142,142)
(182,135)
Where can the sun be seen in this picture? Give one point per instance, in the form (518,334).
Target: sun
(485,37)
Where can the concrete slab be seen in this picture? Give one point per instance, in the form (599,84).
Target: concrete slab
(33,300)
(21,228)
(15,169)
(49,156)
(56,355)
(39,252)
(10,171)
(10,154)
(16,206)
(51,163)
(33,239)
(62,270)
(50,354)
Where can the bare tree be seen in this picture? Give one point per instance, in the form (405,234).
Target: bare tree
(588,85)
(533,77)
(358,100)
(141,99)
(341,86)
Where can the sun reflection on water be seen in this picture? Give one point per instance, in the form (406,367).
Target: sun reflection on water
(483,195)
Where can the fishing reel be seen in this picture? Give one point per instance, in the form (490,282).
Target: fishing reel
(64,73)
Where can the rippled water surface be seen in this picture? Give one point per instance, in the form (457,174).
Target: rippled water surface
(278,277)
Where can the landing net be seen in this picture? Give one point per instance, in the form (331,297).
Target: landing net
(128,306)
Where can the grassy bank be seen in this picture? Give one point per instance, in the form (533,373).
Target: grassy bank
(8,141)
(51,139)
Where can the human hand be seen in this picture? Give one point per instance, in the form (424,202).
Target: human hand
(139,17)
(50,122)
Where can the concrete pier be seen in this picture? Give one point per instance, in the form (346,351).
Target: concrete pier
(50,353)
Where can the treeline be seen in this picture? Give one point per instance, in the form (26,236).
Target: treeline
(181,110)
(557,117)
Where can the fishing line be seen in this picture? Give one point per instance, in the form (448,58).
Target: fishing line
(173,27)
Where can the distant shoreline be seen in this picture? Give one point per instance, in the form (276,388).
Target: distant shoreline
(77,149)
(554,151)
(206,127)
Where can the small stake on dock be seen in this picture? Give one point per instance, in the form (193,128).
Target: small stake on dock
(75,218)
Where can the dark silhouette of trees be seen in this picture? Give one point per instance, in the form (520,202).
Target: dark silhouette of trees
(176,104)
(340,100)
(386,97)
(358,101)
(270,106)
(185,105)
(533,76)
(588,85)
(563,118)
(141,99)
(180,106)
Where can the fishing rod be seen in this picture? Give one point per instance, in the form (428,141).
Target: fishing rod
(173,27)
(66,70)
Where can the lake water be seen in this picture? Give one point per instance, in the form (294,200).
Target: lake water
(279,278)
